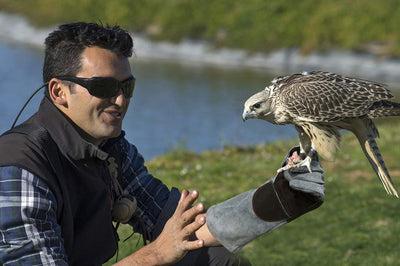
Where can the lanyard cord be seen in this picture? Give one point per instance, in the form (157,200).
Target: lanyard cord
(117,187)
(26,103)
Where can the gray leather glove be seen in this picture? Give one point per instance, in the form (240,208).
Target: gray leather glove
(290,194)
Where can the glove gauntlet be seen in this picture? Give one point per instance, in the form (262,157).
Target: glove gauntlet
(290,194)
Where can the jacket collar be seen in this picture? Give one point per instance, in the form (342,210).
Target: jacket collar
(66,134)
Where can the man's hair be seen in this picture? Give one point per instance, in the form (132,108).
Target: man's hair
(65,45)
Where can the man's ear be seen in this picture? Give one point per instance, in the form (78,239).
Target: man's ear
(57,91)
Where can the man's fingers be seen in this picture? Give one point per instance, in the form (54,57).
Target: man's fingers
(191,245)
(186,201)
(193,227)
(190,214)
(189,230)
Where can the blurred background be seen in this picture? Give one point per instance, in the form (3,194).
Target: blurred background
(196,62)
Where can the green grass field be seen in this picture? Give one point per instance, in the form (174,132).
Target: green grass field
(357,225)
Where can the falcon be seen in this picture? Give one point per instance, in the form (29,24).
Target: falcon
(319,104)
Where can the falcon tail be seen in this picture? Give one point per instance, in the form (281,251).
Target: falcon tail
(366,132)
(371,150)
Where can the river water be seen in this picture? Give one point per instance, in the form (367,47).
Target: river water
(188,95)
(174,105)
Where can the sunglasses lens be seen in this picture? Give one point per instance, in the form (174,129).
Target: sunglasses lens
(104,87)
(128,88)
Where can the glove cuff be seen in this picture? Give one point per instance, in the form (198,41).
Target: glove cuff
(241,219)
(234,224)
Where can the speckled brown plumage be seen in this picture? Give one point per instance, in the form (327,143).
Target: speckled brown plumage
(319,104)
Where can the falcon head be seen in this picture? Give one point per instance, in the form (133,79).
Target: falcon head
(260,106)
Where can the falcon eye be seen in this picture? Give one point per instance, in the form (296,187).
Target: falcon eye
(256,106)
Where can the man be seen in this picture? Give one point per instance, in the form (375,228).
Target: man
(68,172)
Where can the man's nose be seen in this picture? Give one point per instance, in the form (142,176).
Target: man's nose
(120,98)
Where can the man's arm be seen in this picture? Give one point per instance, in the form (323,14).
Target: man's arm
(28,225)
(236,221)
(237,237)
(204,234)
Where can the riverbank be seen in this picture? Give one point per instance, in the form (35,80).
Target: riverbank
(200,53)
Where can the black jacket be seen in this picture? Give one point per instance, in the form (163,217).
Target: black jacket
(49,146)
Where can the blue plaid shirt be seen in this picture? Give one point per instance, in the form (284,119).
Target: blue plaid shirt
(29,232)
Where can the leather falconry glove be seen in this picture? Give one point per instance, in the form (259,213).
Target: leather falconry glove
(290,194)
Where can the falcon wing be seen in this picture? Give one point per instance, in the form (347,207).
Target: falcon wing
(328,97)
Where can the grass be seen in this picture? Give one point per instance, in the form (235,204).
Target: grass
(357,225)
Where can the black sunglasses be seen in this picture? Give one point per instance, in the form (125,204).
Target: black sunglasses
(104,87)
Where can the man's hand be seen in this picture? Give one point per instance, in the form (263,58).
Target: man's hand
(301,179)
(173,242)
(297,190)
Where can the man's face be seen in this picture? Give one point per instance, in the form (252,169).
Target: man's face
(100,118)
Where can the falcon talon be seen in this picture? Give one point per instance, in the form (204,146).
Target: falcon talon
(284,168)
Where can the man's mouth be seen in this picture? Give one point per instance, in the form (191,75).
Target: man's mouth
(115,114)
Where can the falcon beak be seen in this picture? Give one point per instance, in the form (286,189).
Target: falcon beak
(247,115)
